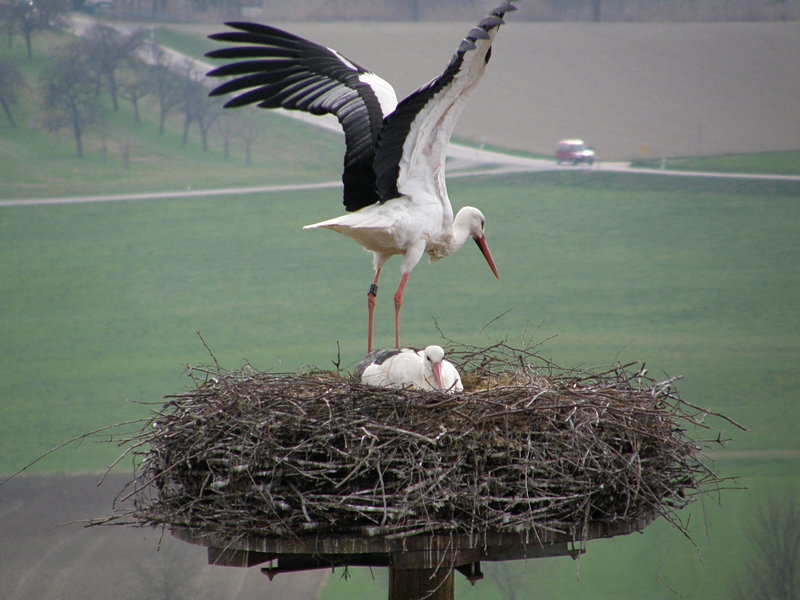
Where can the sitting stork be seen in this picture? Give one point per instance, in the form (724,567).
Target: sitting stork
(400,368)
(394,181)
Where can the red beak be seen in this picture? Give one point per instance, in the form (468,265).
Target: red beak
(437,373)
(481,241)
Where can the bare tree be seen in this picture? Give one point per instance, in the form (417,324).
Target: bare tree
(233,125)
(107,51)
(26,18)
(199,108)
(228,130)
(11,82)
(249,136)
(68,94)
(772,571)
(135,83)
(168,84)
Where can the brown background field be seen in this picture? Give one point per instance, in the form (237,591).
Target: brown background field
(41,559)
(678,89)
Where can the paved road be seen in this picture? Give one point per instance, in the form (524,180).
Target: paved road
(466,162)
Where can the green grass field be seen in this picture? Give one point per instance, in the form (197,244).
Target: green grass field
(101,304)
(778,163)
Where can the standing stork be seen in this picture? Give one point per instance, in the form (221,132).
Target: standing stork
(394,181)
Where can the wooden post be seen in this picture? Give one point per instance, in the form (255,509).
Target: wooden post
(415,584)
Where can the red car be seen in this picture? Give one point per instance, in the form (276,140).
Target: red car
(574,151)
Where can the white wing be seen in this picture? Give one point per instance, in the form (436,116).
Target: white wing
(412,144)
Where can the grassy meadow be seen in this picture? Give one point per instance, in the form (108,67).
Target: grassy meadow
(102,303)
(778,163)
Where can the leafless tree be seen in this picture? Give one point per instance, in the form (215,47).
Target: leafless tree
(772,569)
(234,125)
(168,83)
(199,108)
(26,18)
(134,84)
(11,82)
(228,130)
(68,94)
(107,51)
(249,136)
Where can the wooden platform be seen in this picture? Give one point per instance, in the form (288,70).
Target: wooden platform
(410,559)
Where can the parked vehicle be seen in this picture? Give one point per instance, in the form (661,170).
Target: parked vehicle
(574,151)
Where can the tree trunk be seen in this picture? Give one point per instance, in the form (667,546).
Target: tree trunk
(7,110)
(76,129)
(186,123)
(135,103)
(203,134)
(415,10)
(596,10)
(112,89)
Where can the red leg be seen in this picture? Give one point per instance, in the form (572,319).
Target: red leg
(398,302)
(373,291)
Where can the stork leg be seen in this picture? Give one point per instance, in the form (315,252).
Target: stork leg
(398,302)
(373,291)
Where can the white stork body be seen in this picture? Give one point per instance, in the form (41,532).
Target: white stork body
(424,369)
(394,178)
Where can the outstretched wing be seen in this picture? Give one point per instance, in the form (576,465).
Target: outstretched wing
(411,147)
(283,70)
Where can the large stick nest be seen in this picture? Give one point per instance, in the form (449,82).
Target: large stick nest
(527,445)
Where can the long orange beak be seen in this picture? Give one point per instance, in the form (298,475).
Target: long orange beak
(437,374)
(481,241)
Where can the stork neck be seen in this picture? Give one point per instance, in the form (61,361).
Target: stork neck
(461,230)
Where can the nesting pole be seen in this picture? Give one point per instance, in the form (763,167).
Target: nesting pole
(413,584)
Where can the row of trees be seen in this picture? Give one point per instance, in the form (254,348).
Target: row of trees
(122,67)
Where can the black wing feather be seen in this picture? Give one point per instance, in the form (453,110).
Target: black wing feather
(294,73)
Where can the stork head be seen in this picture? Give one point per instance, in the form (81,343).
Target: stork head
(432,360)
(472,222)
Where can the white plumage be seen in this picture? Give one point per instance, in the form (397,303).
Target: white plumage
(394,176)
(400,368)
